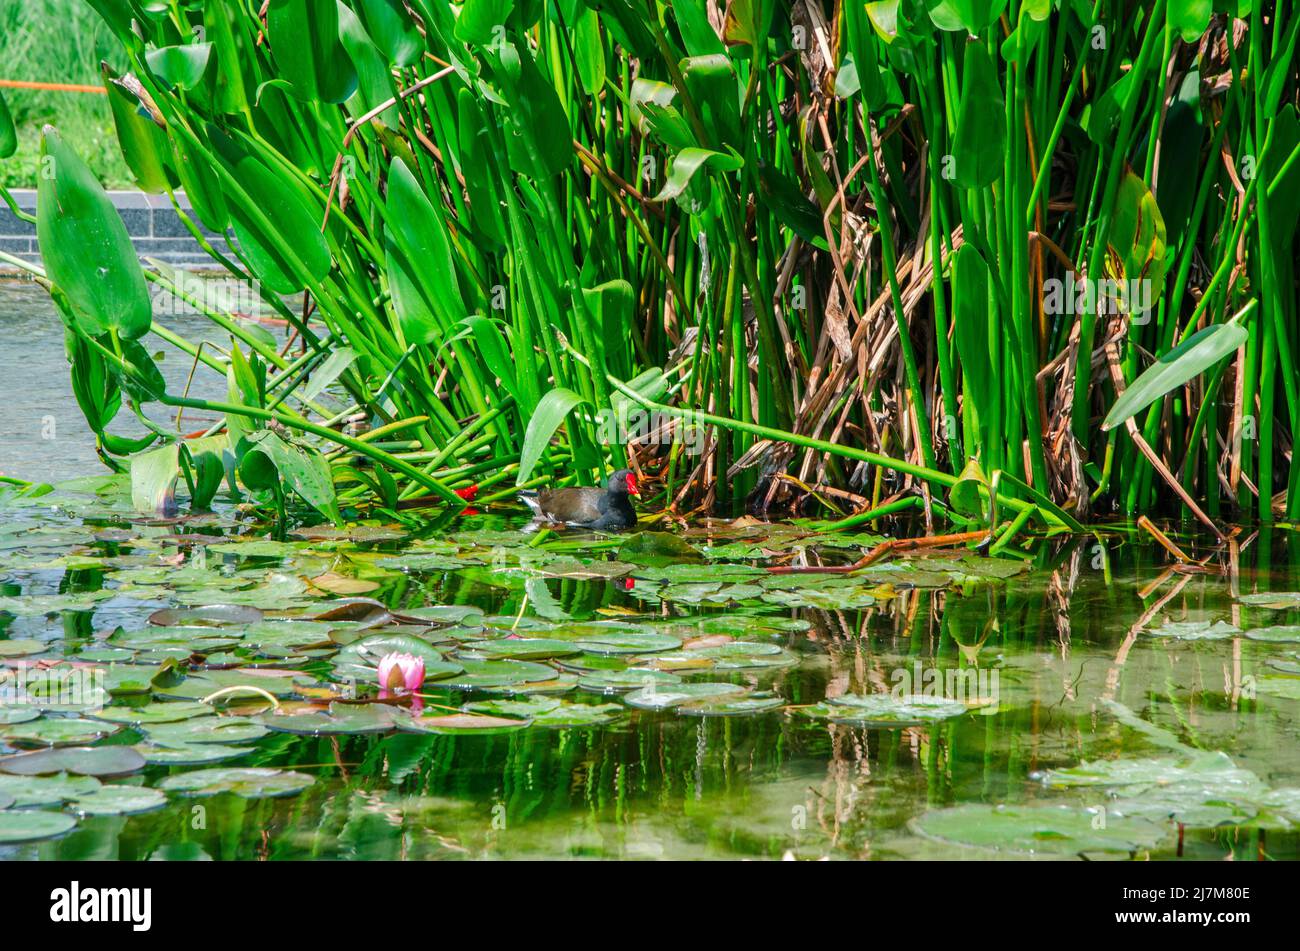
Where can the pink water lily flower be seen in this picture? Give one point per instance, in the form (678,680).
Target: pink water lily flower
(400,672)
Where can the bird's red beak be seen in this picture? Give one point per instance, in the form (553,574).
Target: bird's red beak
(631,486)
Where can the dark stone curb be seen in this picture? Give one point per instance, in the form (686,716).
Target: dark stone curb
(151,221)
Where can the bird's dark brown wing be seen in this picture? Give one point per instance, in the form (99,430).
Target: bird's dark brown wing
(576,504)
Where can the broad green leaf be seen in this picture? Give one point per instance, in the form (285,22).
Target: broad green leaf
(966,497)
(1186,361)
(181,66)
(144,145)
(546,419)
(689,161)
(979,145)
(294,227)
(153,480)
(1190,17)
(426,295)
(228,43)
(1136,243)
(589,51)
(335,365)
(391,28)
(970,294)
(374,74)
(86,248)
(482,20)
(304,38)
(304,470)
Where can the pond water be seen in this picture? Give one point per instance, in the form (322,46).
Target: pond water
(197,689)
(672,709)
(42,432)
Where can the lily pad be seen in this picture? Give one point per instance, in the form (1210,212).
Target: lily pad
(205,730)
(458,723)
(23,647)
(886,710)
(1276,634)
(190,754)
(23,826)
(58,732)
(1040,829)
(665,697)
(82,760)
(247,782)
(1196,630)
(732,707)
(36,791)
(213,615)
(618,681)
(151,713)
(338,719)
(118,801)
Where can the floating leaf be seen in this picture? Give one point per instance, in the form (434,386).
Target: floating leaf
(84,761)
(33,826)
(245,782)
(1047,829)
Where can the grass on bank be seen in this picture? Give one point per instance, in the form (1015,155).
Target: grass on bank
(58,41)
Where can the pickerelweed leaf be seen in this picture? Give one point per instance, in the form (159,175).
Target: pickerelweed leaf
(1185,362)
(546,419)
(85,247)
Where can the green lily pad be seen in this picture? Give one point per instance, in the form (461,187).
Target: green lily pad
(1276,634)
(118,801)
(732,707)
(1041,829)
(458,723)
(886,710)
(247,782)
(1275,600)
(22,713)
(151,713)
(22,647)
(1196,630)
(360,659)
(205,730)
(618,681)
(486,674)
(58,732)
(32,826)
(36,791)
(522,648)
(190,754)
(82,760)
(34,605)
(658,549)
(212,615)
(339,719)
(665,697)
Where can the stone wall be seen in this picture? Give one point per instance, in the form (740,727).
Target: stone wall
(155,228)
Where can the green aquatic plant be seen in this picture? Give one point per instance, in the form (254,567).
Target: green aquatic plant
(867,243)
